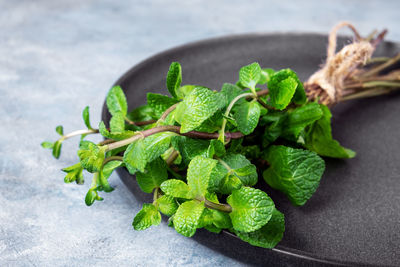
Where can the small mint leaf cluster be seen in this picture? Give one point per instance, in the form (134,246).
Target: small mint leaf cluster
(200,152)
(56,146)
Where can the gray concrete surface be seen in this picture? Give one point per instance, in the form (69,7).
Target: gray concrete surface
(56,57)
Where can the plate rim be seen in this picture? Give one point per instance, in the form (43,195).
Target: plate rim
(284,250)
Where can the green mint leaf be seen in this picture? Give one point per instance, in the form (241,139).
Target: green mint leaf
(263,110)
(285,86)
(267,236)
(171,221)
(250,152)
(176,188)
(74,174)
(212,196)
(281,91)
(238,84)
(211,124)
(116,101)
(214,220)
(251,209)
(114,135)
(108,168)
(167,205)
(103,130)
(266,75)
(92,196)
(199,174)
(103,184)
(135,156)
(247,174)
(174,78)
(57,149)
(250,75)
(222,181)
(235,170)
(319,138)
(132,170)
(228,182)
(216,148)
(146,217)
(299,118)
(230,91)
(60,130)
(85,116)
(47,145)
(142,113)
(247,116)
(197,107)
(272,131)
(221,219)
(117,123)
(235,145)
(187,217)
(295,172)
(300,96)
(213,229)
(154,175)
(139,153)
(159,103)
(91,156)
(206,218)
(184,90)
(189,147)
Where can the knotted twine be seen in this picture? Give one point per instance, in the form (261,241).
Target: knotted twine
(327,84)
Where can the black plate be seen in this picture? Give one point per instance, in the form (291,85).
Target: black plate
(354,217)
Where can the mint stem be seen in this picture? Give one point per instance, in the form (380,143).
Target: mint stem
(172,157)
(381,67)
(105,142)
(377,60)
(381,83)
(79,132)
(217,206)
(228,110)
(262,92)
(168,111)
(106,160)
(139,123)
(174,129)
(155,196)
(262,103)
(367,93)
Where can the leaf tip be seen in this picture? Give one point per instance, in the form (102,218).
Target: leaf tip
(47,145)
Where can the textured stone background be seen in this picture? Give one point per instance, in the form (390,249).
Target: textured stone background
(56,57)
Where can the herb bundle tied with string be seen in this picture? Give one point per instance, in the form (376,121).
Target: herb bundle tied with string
(201,152)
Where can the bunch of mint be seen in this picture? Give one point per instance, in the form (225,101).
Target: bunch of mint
(200,152)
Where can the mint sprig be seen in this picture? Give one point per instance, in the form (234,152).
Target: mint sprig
(199,152)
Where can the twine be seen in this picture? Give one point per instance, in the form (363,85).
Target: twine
(340,65)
